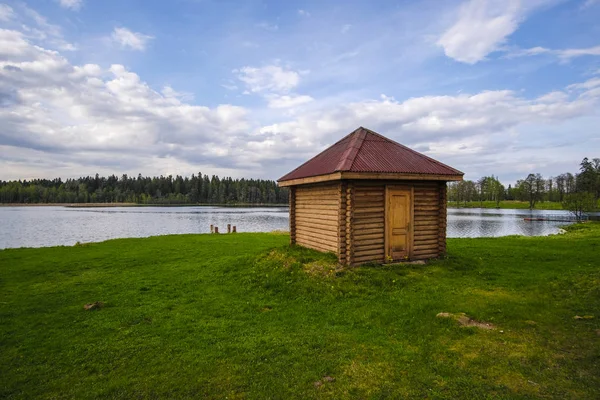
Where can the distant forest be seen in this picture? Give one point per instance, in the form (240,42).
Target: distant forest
(534,188)
(202,189)
(144,190)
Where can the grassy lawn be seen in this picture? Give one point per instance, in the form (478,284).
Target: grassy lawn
(508,204)
(246,317)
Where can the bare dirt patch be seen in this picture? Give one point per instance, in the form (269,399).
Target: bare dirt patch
(464,320)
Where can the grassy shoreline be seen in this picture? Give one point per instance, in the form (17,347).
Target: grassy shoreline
(92,205)
(247,317)
(508,204)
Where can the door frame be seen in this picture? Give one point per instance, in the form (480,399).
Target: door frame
(411,191)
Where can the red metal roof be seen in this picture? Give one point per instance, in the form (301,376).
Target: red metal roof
(366,151)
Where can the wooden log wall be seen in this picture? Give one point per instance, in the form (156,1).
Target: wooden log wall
(292,215)
(443,219)
(369,223)
(316,216)
(349,224)
(429,224)
(343,187)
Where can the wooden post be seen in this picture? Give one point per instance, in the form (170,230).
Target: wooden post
(292,215)
(228,228)
(442,220)
(234,230)
(349,224)
(342,223)
(216,229)
(212,228)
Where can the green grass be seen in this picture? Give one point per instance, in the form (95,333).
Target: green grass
(247,317)
(508,204)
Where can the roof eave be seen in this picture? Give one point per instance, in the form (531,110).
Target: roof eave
(369,176)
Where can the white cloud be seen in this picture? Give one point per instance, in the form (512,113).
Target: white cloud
(462,130)
(276,101)
(563,54)
(589,3)
(483,26)
(128,39)
(71,4)
(571,53)
(303,13)
(88,115)
(271,78)
(268,27)
(6,13)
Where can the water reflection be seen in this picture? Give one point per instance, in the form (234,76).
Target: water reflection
(479,222)
(52,226)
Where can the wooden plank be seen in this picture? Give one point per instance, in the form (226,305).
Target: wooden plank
(432,244)
(373,252)
(369,231)
(325,223)
(366,259)
(316,225)
(376,236)
(317,216)
(331,207)
(320,239)
(315,211)
(316,246)
(349,223)
(368,244)
(432,236)
(368,210)
(292,203)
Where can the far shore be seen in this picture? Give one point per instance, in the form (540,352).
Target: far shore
(92,205)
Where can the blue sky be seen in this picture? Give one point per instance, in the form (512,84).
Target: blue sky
(253,88)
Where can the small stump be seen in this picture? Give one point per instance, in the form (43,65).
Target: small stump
(93,306)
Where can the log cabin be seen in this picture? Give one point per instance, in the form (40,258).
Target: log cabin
(369,199)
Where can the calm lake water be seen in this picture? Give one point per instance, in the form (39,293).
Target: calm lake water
(52,226)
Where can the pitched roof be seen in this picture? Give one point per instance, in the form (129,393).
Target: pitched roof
(366,151)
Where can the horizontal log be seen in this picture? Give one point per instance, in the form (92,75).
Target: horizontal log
(379,226)
(318,195)
(309,230)
(305,206)
(375,252)
(368,224)
(426,214)
(314,226)
(316,246)
(378,230)
(318,214)
(364,249)
(426,206)
(319,219)
(323,241)
(368,210)
(332,201)
(376,202)
(424,238)
(366,241)
(427,221)
(374,236)
(317,225)
(427,252)
(370,193)
(429,242)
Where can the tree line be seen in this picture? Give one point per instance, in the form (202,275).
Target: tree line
(197,189)
(566,188)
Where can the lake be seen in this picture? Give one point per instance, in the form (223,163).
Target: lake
(52,226)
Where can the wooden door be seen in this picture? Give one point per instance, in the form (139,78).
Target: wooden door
(398,224)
